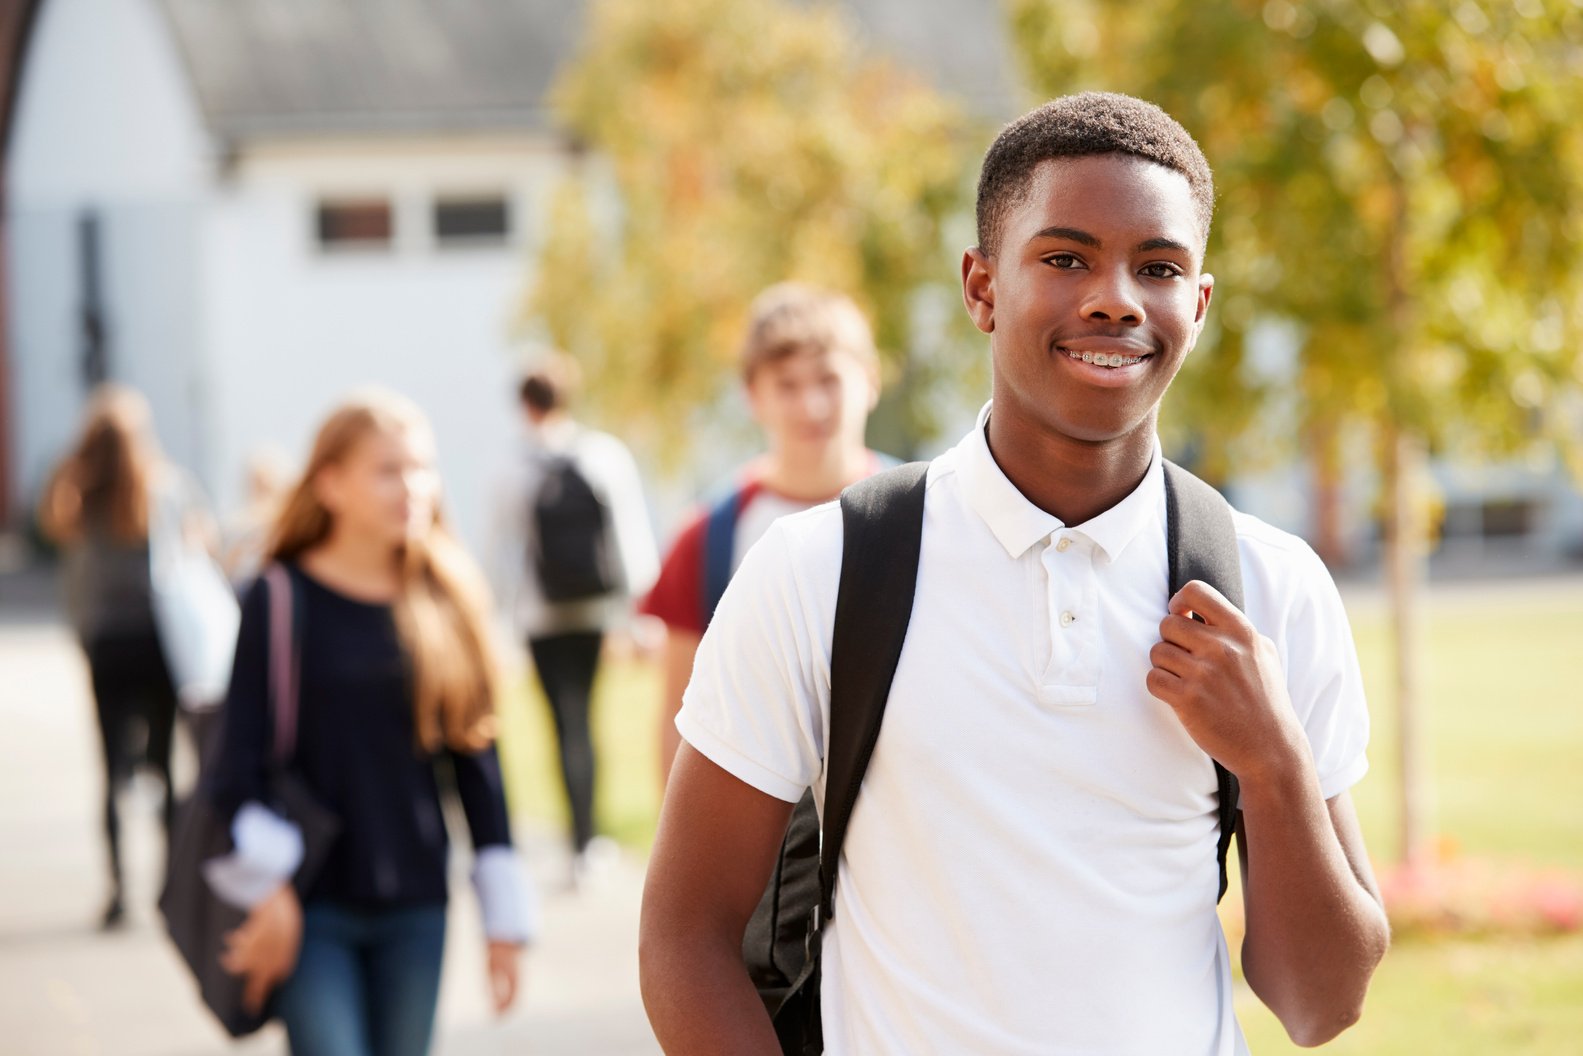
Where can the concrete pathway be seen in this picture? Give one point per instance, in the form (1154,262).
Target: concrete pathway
(68,990)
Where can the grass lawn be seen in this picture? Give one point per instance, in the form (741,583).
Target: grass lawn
(1506,751)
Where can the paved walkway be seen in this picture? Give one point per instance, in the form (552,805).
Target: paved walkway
(68,990)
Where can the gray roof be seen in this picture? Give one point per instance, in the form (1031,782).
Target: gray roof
(263,68)
(272,67)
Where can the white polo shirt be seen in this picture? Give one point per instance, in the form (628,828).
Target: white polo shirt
(1030,866)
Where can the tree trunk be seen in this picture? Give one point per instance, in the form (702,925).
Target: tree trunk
(1406,546)
(1324,444)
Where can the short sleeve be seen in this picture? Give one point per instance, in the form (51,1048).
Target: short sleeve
(1323,678)
(677,595)
(759,695)
(634,538)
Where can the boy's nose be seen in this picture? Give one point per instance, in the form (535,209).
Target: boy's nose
(1112,298)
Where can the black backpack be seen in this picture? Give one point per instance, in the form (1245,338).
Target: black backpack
(572,551)
(882,526)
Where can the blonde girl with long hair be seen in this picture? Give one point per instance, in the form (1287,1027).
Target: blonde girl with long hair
(396,673)
(97,509)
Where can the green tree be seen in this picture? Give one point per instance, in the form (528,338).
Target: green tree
(1403,183)
(733,144)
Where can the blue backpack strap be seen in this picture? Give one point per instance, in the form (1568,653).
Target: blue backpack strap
(720,530)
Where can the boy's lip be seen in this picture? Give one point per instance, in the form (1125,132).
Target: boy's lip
(1098,344)
(1101,375)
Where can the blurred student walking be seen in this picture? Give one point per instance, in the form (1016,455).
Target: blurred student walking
(573,549)
(397,680)
(811,376)
(106,505)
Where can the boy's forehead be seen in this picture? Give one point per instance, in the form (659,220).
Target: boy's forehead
(807,357)
(1117,191)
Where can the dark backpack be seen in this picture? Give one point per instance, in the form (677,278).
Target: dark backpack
(882,526)
(571,554)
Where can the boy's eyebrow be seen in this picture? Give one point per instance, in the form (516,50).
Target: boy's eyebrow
(1083,238)
(1070,234)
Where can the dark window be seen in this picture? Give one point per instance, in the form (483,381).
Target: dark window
(1508,517)
(478,221)
(362,222)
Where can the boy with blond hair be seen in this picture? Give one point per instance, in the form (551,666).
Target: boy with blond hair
(811,376)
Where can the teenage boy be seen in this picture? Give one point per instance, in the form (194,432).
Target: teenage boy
(1030,864)
(812,376)
(573,550)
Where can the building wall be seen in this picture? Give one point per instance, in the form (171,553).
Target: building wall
(219,302)
(291,327)
(105,124)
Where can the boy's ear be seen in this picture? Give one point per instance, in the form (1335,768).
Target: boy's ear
(978,288)
(1206,287)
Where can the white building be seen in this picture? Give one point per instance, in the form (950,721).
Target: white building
(265,204)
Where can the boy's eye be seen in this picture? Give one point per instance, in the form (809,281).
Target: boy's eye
(1161,271)
(1064,261)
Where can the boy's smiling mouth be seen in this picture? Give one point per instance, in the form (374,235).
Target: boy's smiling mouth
(1105,359)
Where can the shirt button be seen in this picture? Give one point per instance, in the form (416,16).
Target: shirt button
(1063,544)
(1067,619)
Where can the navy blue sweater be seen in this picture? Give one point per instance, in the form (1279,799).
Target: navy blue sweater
(355,749)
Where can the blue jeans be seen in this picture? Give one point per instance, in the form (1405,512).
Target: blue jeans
(366,983)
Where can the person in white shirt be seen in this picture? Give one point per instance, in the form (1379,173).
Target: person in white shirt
(1030,864)
(563,612)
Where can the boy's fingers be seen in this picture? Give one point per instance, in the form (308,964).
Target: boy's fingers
(1185,633)
(1171,658)
(1164,685)
(1207,602)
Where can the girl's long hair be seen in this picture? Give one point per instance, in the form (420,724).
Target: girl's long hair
(443,609)
(105,479)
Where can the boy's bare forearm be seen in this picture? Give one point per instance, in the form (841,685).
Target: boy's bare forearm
(699,997)
(1315,926)
(713,854)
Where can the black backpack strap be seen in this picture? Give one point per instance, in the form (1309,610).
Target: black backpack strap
(1201,543)
(882,526)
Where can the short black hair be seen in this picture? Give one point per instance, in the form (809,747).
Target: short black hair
(1083,125)
(550,383)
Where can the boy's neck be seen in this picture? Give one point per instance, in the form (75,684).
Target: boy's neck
(1072,480)
(814,476)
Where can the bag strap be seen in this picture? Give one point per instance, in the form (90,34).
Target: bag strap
(283,663)
(882,530)
(719,545)
(1201,543)
(719,538)
(882,524)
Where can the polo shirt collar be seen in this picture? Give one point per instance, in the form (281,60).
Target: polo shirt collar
(1018,524)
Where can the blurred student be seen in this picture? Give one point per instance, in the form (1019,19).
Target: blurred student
(397,681)
(573,549)
(811,374)
(102,506)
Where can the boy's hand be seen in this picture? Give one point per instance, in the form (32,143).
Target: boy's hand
(1224,681)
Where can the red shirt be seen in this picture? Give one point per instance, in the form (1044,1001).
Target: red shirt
(678,595)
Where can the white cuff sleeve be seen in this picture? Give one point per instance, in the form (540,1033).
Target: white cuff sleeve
(505,894)
(268,850)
